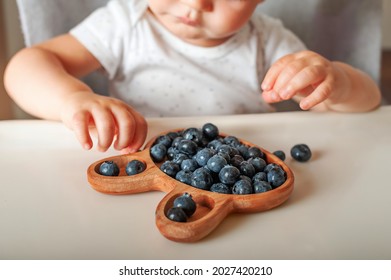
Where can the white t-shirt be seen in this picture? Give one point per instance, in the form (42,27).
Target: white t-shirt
(161,76)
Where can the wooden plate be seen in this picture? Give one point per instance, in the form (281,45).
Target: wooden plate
(212,207)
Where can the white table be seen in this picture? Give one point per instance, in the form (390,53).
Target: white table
(340,207)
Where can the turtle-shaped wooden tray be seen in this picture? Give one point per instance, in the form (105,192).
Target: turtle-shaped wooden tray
(211,208)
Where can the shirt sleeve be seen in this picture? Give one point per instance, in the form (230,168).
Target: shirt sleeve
(102,34)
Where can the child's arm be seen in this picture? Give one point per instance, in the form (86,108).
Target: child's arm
(43,81)
(316,82)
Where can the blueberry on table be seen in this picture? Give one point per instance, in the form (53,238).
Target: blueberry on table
(134,167)
(187,204)
(301,152)
(280,154)
(109,168)
(177,214)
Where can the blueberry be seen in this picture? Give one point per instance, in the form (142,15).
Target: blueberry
(188,147)
(177,214)
(172,152)
(179,158)
(280,154)
(243,151)
(170,168)
(173,135)
(261,186)
(135,167)
(242,187)
(201,179)
(204,155)
(184,176)
(244,177)
(258,163)
(187,203)
(228,174)
(236,160)
(189,164)
(254,152)
(164,139)
(210,131)
(271,166)
(260,176)
(109,168)
(276,177)
(225,155)
(158,152)
(193,134)
(214,144)
(176,141)
(216,163)
(224,148)
(232,141)
(301,152)
(220,188)
(247,169)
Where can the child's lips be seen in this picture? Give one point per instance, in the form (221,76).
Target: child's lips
(188,21)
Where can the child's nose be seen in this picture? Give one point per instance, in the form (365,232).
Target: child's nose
(199,5)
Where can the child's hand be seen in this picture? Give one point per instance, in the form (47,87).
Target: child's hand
(112,119)
(304,74)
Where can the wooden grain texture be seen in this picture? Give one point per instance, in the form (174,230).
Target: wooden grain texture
(212,207)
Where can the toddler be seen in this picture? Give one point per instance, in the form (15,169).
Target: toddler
(176,58)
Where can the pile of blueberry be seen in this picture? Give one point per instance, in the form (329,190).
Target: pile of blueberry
(183,208)
(110,168)
(201,158)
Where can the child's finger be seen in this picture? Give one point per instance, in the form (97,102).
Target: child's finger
(271,96)
(320,94)
(126,125)
(311,75)
(105,126)
(80,123)
(141,129)
(274,71)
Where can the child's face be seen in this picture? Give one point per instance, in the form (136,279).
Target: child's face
(203,22)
